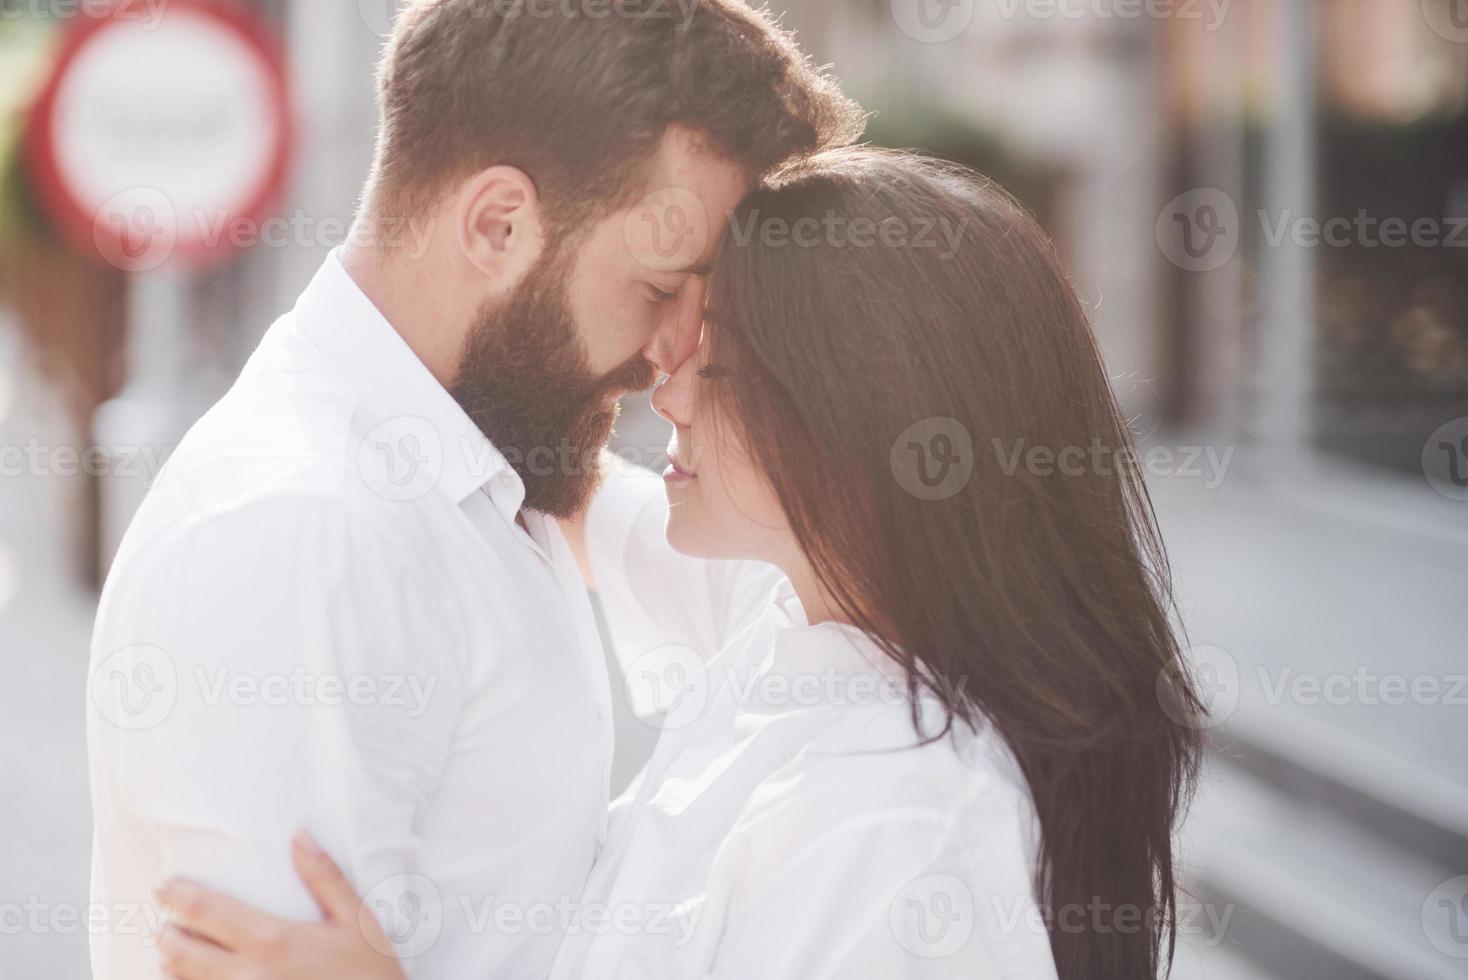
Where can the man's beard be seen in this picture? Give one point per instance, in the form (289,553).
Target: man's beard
(524,380)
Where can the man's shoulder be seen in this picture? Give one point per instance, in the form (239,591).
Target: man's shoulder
(289,402)
(286,427)
(285,440)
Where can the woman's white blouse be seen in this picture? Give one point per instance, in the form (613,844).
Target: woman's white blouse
(789,824)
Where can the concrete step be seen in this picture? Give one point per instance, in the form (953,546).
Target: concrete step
(1312,890)
(1418,809)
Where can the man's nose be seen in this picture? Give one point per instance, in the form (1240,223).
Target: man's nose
(678,340)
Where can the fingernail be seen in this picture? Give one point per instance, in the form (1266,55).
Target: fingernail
(307,843)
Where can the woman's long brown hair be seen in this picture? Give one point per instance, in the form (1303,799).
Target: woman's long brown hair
(1035,598)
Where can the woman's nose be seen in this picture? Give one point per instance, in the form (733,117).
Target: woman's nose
(673,399)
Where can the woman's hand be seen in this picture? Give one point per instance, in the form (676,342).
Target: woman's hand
(210,936)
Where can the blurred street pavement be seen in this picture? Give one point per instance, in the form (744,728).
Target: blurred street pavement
(1336,798)
(45,624)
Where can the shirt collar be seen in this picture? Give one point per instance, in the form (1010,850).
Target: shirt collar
(397,390)
(788,609)
(798,644)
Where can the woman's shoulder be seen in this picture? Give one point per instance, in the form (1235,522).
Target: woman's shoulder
(873,770)
(942,824)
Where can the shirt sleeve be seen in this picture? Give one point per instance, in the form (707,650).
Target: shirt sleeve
(662,607)
(288,664)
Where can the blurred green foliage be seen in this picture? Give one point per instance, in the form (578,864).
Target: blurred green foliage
(940,132)
(25,55)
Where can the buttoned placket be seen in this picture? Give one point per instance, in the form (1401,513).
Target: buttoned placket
(589,635)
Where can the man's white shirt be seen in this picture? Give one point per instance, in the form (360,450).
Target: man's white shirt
(325,615)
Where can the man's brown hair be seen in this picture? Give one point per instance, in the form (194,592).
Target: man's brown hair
(577,95)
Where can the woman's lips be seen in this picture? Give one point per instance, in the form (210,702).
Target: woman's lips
(677,473)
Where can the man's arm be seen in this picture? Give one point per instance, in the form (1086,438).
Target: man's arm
(287,664)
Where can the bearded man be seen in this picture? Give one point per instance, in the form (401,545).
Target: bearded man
(347,605)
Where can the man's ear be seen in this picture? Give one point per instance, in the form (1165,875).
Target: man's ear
(500,224)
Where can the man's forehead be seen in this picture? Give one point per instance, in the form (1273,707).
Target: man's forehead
(686,160)
(677,225)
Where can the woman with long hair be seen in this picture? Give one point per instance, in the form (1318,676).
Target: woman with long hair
(908,609)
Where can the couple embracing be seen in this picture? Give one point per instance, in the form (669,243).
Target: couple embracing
(931,715)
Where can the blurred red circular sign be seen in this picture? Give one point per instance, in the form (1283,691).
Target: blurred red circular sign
(163,131)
